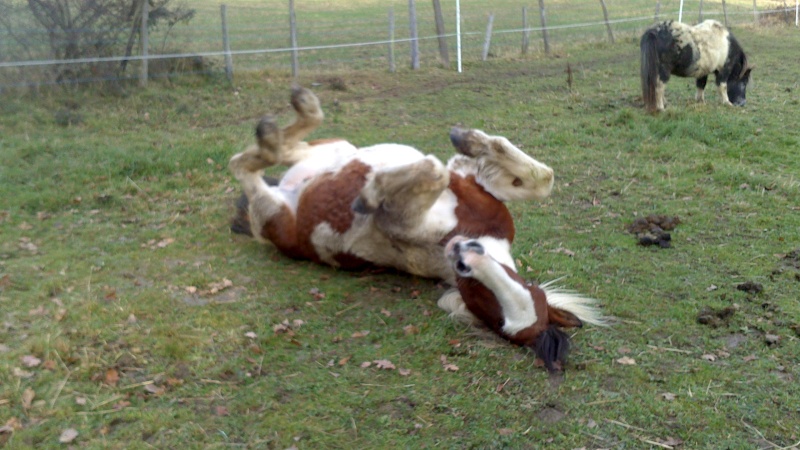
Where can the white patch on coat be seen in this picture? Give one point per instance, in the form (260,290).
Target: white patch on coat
(452,303)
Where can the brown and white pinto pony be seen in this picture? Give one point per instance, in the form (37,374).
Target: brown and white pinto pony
(389,205)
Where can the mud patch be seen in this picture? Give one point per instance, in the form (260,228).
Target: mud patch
(550,415)
(735,340)
(653,230)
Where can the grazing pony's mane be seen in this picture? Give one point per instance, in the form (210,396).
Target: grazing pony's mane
(673,48)
(389,205)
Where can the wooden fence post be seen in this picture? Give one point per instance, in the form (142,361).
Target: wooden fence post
(392,67)
(658,9)
(755,12)
(608,25)
(293,39)
(145,43)
(544,28)
(700,12)
(412,24)
(725,12)
(487,41)
(526,32)
(437,13)
(226,43)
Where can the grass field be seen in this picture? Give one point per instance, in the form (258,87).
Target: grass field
(132,318)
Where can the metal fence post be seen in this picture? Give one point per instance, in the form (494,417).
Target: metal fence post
(608,25)
(544,28)
(412,25)
(488,39)
(226,43)
(145,43)
(293,39)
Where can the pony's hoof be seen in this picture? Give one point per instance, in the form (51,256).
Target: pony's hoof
(305,102)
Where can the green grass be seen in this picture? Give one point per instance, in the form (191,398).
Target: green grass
(114,235)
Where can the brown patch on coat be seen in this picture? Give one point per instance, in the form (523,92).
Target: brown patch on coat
(328,199)
(478,212)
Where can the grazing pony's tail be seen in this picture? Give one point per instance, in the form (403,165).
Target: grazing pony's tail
(649,69)
(581,307)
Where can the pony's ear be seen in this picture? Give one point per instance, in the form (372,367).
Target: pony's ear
(552,347)
(563,318)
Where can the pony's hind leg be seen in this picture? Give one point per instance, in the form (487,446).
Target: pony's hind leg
(401,197)
(504,170)
(661,102)
(309,117)
(701,86)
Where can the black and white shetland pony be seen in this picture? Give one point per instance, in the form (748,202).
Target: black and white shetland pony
(673,48)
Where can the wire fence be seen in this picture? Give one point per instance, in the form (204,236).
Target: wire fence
(367,34)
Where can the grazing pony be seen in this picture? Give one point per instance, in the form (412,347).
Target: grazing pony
(389,205)
(673,48)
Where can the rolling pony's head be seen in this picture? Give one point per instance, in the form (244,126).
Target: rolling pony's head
(525,314)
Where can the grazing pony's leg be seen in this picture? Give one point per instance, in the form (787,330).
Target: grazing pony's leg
(723,92)
(503,170)
(661,102)
(701,86)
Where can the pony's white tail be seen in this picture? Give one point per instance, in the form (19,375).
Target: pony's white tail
(584,308)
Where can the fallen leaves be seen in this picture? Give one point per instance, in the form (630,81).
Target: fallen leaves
(30,361)
(212,288)
(153,244)
(626,361)
(68,435)
(111,377)
(28,245)
(448,367)
(27,398)
(384,364)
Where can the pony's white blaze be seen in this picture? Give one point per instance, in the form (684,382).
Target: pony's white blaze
(515,299)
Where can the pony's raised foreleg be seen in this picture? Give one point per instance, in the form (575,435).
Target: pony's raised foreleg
(400,198)
(309,117)
(503,170)
(701,86)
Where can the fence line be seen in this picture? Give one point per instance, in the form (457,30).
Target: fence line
(227,53)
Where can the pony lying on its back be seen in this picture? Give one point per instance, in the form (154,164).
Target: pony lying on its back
(390,205)
(673,48)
